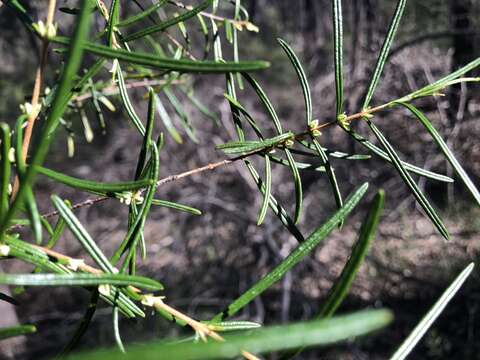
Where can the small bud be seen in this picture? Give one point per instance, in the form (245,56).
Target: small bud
(11,155)
(129,198)
(70,147)
(104,289)
(4,250)
(289,143)
(342,120)
(74,264)
(45,31)
(150,300)
(10,189)
(316,133)
(29,110)
(313,124)
(312,128)
(251,27)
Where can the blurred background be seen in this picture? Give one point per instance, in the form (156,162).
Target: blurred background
(207,261)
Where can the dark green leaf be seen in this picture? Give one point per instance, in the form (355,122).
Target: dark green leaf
(79,279)
(166,63)
(105,189)
(338,52)
(10,332)
(263,340)
(446,151)
(422,200)
(302,77)
(420,330)
(297,255)
(341,287)
(383,56)
(168,23)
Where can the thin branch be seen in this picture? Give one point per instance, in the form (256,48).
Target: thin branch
(37,87)
(212,166)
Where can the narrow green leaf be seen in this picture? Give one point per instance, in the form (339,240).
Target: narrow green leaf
(179,207)
(298,187)
(82,235)
(166,63)
(144,210)
(143,14)
(79,279)
(126,100)
(268,191)
(5,169)
(446,151)
(302,77)
(411,168)
(113,19)
(383,56)
(57,233)
(265,101)
(167,121)
(178,107)
(299,165)
(446,79)
(420,330)
(136,229)
(422,200)
(83,325)
(331,153)
(233,326)
(26,252)
(340,289)
(338,52)
(116,330)
(201,107)
(263,340)
(147,139)
(6,333)
(168,23)
(99,188)
(330,172)
(297,255)
(275,206)
(241,147)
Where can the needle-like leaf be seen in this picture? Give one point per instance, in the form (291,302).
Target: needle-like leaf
(297,255)
(342,285)
(79,279)
(383,56)
(263,340)
(94,187)
(420,330)
(6,333)
(168,23)
(302,77)
(338,52)
(142,15)
(157,62)
(446,151)
(422,200)
(5,168)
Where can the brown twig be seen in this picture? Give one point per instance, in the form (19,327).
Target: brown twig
(215,165)
(37,87)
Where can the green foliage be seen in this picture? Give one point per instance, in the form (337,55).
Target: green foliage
(173,64)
